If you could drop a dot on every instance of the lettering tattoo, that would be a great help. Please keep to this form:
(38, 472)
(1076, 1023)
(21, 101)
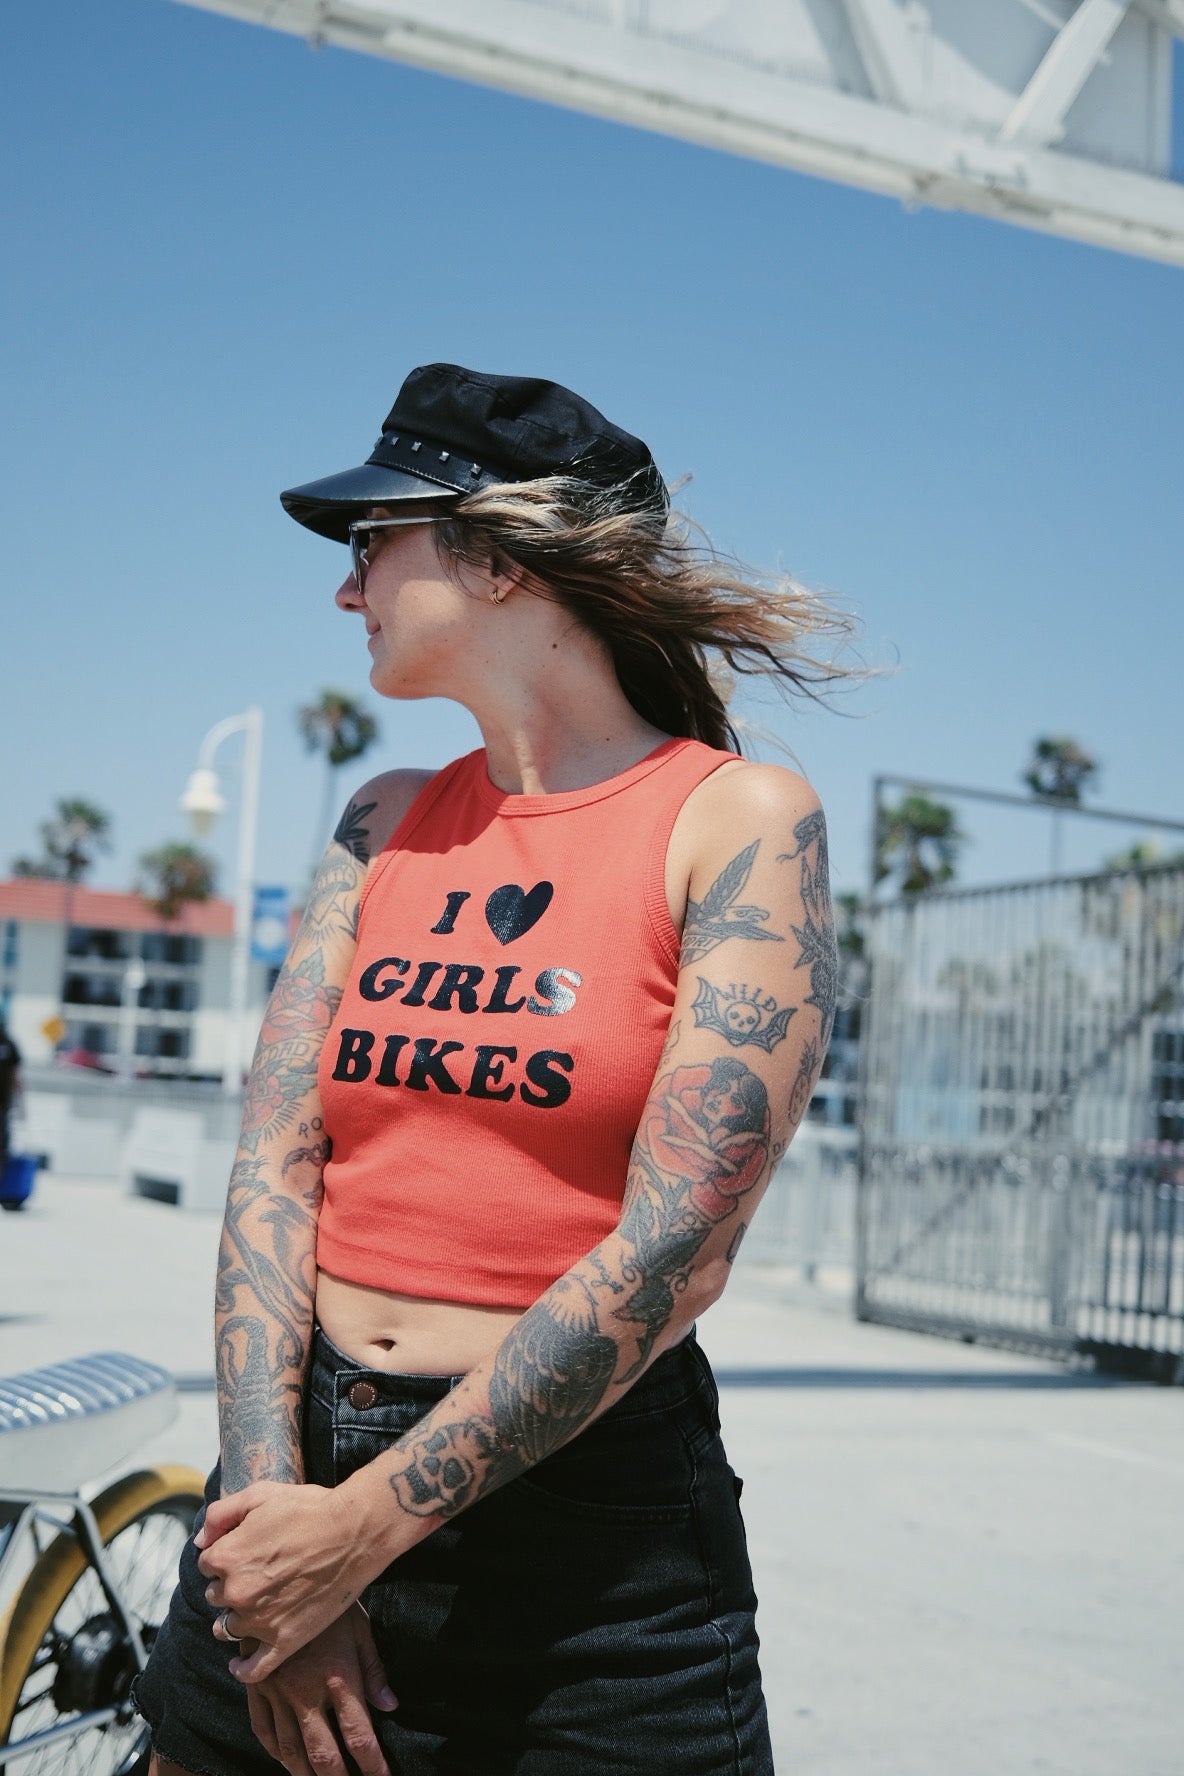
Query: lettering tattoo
(742, 1015)
(702, 1146)
(716, 918)
(816, 933)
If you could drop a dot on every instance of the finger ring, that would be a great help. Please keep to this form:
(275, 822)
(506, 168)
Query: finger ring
(223, 1629)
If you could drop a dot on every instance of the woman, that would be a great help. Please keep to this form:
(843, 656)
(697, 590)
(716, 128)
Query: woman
(552, 1015)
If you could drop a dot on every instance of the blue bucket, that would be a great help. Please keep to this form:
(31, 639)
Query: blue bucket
(17, 1179)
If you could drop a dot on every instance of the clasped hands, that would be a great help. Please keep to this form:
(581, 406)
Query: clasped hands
(283, 1563)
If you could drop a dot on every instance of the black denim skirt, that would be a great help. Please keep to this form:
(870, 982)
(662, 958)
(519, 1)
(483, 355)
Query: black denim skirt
(595, 1617)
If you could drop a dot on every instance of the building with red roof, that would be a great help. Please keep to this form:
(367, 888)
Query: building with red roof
(67, 954)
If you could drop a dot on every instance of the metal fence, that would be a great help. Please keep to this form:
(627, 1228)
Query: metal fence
(1021, 1155)
(807, 1219)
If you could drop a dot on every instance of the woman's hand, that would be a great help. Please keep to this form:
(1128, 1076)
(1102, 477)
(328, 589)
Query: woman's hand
(284, 1562)
(315, 1703)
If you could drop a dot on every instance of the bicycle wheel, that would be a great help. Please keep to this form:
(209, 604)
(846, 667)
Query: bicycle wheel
(62, 1649)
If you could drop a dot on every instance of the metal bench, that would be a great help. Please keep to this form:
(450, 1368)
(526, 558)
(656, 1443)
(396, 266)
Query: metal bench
(62, 1425)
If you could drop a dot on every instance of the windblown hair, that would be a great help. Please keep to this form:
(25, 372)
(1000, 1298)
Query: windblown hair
(679, 620)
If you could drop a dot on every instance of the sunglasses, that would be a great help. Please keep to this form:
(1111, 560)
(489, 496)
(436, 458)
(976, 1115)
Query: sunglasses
(359, 540)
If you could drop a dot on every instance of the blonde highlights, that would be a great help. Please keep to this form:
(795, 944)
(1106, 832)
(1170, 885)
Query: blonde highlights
(679, 620)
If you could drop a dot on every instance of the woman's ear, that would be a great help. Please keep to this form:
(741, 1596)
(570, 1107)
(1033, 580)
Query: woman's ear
(505, 574)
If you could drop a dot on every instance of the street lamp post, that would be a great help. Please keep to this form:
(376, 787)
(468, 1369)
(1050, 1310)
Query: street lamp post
(135, 979)
(203, 803)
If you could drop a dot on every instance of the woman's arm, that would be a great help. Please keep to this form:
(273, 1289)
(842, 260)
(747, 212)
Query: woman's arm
(267, 1259)
(752, 1016)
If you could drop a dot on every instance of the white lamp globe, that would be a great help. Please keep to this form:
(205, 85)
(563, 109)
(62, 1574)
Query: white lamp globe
(201, 800)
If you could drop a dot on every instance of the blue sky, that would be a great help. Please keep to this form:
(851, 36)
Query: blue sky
(222, 253)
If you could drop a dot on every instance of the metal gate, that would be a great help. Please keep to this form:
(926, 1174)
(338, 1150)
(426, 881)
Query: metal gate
(1021, 1158)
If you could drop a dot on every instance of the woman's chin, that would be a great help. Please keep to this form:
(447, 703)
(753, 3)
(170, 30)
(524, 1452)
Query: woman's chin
(389, 684)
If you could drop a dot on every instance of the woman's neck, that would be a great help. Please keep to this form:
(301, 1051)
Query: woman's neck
(546, 696)
(539, 749)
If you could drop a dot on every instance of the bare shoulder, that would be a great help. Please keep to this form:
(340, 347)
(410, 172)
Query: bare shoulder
(375, 809)
(743, 802)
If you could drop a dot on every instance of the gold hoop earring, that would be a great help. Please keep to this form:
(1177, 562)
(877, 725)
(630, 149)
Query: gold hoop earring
(496, 597)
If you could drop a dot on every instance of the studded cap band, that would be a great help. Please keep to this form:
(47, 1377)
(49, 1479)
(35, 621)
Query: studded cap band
(448, 468)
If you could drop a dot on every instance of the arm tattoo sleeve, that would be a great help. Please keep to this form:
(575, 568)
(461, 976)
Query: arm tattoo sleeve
(263, 1308)
(703, 1145)
(263, 1317)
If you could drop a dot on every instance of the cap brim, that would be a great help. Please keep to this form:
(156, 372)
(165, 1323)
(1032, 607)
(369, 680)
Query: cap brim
(331, 505)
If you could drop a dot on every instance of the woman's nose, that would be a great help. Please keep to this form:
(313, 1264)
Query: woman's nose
(347, 597)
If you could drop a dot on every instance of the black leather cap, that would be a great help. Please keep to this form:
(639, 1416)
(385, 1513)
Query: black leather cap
(452, 431)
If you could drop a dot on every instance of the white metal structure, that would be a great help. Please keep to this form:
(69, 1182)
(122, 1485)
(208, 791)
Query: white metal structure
(1049, 113)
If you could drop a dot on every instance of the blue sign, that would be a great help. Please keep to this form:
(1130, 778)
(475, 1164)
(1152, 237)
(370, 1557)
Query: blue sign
(269, 926)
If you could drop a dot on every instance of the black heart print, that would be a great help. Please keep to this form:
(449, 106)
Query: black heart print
(510, 910)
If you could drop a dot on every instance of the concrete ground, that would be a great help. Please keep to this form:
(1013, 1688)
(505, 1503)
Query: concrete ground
(970, 1563)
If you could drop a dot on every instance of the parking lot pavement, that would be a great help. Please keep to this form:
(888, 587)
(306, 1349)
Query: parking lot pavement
(969, 1562)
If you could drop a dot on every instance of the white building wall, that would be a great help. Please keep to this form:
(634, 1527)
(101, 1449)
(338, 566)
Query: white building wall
(36, 984)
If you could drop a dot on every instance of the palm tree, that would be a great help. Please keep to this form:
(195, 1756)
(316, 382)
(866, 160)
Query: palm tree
(917, 842)
(70, 842)
(1059, 769)
(175, 874)
(338, 726)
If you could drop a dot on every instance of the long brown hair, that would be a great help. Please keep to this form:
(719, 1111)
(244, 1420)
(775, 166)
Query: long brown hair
(670, 609)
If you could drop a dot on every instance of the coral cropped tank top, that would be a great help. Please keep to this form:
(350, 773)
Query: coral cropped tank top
(500, 1030)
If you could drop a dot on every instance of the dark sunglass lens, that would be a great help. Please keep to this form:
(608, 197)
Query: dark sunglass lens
(358, 541)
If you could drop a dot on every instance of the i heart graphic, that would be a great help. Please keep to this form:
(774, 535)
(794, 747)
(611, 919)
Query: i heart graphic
(510, 910)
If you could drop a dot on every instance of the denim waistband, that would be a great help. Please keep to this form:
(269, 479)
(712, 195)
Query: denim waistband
(670, 1380)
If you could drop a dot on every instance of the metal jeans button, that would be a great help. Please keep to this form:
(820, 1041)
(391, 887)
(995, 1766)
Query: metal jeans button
(363, 1395)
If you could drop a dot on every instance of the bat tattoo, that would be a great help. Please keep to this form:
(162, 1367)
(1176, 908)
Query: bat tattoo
(742, 1015)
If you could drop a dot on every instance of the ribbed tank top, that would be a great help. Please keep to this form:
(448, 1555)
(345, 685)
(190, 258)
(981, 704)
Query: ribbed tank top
(500, 1029)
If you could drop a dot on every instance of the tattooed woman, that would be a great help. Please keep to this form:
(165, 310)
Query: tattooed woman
(550, 1019)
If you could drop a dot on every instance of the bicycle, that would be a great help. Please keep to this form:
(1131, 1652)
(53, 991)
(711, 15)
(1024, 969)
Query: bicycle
(82, 1621)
